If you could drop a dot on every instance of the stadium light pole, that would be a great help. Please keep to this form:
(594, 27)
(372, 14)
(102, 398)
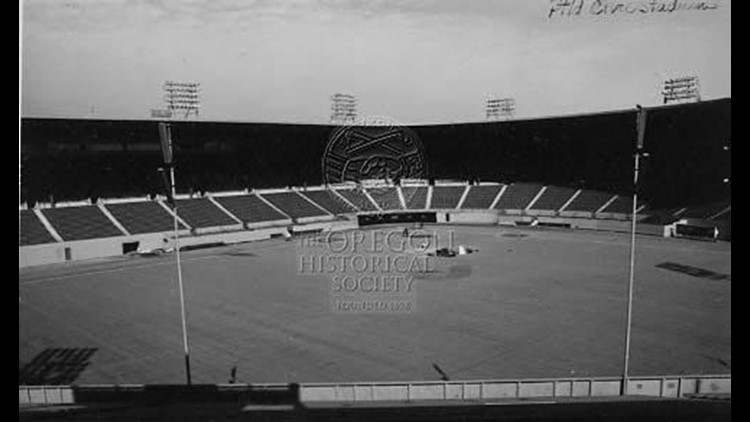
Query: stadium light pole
(166, 144)
(641, 129)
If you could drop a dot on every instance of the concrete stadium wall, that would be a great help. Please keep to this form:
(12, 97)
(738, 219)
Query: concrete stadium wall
(266, 224)
(658, 386)
(666, 386)
(577, 214)
(218, 229)
(619, 226)
(95, 248)
(328, 225)
(510, 220)
(34, 255)
(315, 219)
(474, 217)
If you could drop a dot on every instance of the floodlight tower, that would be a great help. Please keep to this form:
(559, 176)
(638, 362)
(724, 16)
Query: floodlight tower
(182, 97)
(686, 88)
(179, 97)
(498, 108)
(343, 108)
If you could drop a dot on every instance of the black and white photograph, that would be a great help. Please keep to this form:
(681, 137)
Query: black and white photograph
(374, 210)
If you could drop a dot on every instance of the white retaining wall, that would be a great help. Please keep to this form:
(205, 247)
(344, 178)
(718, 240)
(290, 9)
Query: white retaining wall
(33, 255)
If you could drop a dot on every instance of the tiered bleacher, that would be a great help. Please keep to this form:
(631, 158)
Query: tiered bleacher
(249, 208)
(621, 205)
(589, 201)
(517, 196)
(80, 222)
(32, 230)
(201, 212)
(446, 197)
(293, 205)
(386, 197)
(663, 217)
(705, 212)
(142, 217)
(480, 196)
(358, 199)
(725, 216)
(328, 200)
(553, 198)
(415, 197)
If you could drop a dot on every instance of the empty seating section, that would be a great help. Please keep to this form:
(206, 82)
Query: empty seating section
(32, 230)
(386, 197)
(553, 198)
(142, 217)
(293, 205)
(589, 201)
(704, 212)
(661, 218)
(328, 200)
(517, 196)
(82, 222)
(358, 199)
(415, 197)
(621, 205)
(480, 197)
(249, 208)
(201, 212)
(445, 197)
(725, 216)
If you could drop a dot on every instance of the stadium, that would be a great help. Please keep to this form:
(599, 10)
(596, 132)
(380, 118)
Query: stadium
(541, 299)
(416, 210)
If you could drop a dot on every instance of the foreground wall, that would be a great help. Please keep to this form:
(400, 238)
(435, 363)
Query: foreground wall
(677, 386)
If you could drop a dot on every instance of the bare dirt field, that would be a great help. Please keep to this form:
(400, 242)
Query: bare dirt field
(530, 303)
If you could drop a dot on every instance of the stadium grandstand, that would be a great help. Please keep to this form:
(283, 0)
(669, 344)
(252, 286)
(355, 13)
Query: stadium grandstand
(547, 213)
(351, 210)
(681, 170)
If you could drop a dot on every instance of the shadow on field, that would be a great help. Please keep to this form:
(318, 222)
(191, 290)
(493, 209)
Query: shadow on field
(55, 366)
(693, 271)
(239, 254)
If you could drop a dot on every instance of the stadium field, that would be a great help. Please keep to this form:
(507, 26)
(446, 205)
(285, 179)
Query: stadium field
(530, 303)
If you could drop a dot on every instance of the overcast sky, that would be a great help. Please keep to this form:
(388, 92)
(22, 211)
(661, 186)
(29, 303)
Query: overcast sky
(415, 61)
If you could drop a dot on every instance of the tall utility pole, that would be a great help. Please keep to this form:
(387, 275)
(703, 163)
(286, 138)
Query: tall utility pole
(641, 133)
(165, 137)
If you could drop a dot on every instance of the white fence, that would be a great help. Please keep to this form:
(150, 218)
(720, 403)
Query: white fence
(661, 386)
(667, 386)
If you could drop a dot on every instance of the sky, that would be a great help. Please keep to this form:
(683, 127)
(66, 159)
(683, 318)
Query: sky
(411, 61)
